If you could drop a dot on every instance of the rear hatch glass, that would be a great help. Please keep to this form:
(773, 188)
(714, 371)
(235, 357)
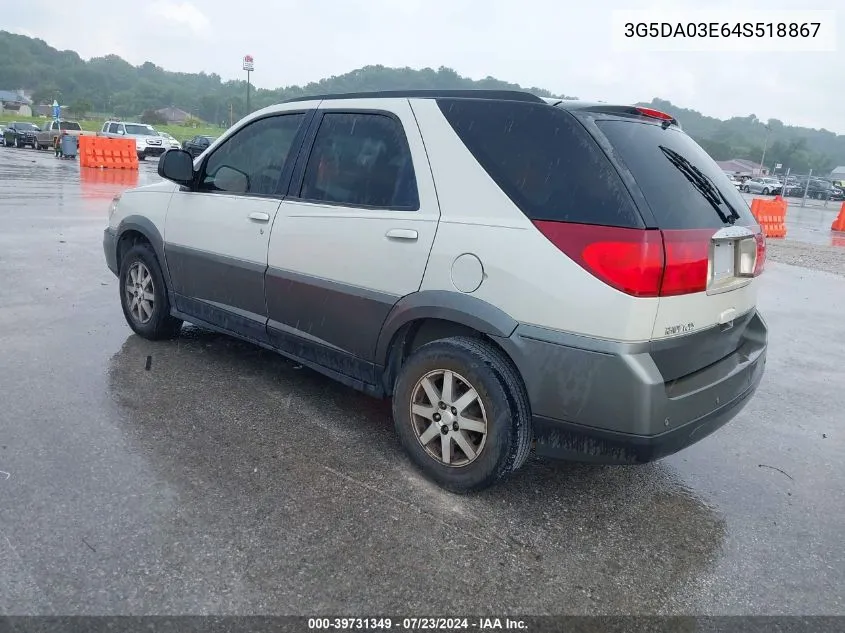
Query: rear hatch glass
(651, 152)
(672, 172)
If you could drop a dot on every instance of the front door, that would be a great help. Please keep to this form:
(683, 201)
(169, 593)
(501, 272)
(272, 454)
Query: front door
(216, 236)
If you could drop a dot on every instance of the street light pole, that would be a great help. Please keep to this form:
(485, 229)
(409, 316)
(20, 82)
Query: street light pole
(765, 146)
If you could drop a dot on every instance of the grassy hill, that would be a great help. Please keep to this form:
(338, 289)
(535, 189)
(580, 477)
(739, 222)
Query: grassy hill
(114, 86)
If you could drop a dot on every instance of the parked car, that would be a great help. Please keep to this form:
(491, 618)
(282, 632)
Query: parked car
(148, 142)
(198, 145)
(171, 141)
(736, 182)
(765, 186)
(2, 130)
(474, 255)
(817, 189)
(51, 130)
(19, 134)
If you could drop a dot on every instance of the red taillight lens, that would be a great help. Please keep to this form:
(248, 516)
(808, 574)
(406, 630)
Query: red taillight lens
(639, 262)
(687, 259)
(760, 262)
(655, 114)
(630, 260)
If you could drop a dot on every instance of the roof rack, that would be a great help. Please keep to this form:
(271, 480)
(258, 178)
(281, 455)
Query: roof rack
(498, 95)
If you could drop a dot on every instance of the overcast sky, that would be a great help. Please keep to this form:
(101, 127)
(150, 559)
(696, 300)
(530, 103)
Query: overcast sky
(559, 45)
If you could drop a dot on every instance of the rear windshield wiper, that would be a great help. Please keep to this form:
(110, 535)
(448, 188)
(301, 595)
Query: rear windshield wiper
(703, 184)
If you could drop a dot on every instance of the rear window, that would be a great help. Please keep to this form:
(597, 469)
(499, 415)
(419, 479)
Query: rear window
(69, 125)
(645, 149)
(544, 160)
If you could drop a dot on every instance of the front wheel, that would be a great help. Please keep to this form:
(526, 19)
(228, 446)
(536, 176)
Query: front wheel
(765, 191)
(141, 156)
(746, 189)
(462, 414)
(143, 295)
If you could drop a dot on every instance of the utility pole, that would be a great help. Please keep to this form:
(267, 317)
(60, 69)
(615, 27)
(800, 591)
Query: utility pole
(249, 66)
(765, 146)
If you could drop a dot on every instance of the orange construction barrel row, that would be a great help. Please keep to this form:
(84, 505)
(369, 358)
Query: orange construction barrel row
(108, 153)
(770, 215)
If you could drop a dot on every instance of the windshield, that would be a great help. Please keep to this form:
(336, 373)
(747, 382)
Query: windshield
(140, 130)
(682, 185)
(26, 126)
(69, 125)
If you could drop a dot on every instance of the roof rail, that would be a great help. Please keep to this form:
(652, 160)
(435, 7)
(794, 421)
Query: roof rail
(498, 95)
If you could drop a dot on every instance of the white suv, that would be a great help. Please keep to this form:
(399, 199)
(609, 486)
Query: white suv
(512, 271)
(148, 142)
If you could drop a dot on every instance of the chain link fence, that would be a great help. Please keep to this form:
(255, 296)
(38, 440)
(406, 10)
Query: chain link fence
(803, 190)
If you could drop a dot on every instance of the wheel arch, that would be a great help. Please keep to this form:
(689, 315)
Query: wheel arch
(135, 227)
(431, 315)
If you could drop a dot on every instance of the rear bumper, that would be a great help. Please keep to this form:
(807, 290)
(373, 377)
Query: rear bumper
(609, 402)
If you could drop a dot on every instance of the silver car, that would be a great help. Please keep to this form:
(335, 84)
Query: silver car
(765, 186)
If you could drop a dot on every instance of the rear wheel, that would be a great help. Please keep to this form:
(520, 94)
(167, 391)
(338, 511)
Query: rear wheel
(746, 189)
(765, 191)
(462, 414)
(143, 295)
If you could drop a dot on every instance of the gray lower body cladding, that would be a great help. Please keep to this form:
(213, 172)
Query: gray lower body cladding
(591, 399)
(627, 403)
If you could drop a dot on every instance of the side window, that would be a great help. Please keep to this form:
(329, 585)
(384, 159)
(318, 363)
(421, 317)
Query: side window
(113, 128)
(361, 160)
(251, 161)
(543, 160)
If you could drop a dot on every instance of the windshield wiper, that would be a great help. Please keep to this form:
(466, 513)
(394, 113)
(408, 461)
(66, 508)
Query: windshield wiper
(703, 184)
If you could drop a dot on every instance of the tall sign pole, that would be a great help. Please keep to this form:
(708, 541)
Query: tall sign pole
(249, 66)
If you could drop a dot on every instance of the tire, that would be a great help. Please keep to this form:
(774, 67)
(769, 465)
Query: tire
(505, 445)
(142, 156)
(17, 142)
(747, 189)
(765, 191)
(150, 322)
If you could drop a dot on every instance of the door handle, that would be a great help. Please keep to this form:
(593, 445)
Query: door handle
(259, 217)
(402, 234)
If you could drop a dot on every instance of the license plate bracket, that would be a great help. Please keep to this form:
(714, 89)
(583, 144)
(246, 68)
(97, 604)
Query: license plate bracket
(724, 260)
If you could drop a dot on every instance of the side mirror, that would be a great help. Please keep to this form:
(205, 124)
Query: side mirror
(231, 180)
(177, 166)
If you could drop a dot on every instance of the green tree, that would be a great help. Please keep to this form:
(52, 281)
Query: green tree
(80, 108)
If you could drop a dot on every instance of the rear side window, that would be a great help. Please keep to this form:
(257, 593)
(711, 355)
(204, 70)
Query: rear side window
(652, 155)
(361, 159)
(544, 160)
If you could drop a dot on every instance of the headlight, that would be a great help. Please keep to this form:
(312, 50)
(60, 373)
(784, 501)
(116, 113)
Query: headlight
(113, 206)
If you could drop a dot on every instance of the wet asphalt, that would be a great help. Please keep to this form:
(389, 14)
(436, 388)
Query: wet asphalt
(227, 480)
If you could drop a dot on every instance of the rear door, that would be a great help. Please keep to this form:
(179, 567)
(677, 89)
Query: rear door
(354, 234)
(710, 228)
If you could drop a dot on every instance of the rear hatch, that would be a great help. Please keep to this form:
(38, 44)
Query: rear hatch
(713, 246)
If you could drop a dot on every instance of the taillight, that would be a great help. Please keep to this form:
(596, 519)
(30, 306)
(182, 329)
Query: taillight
(639, 262)
(760, 261)
(655, 114)
(687, 260)
(630, 260)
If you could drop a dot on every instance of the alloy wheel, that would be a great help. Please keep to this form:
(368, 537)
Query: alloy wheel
(448, 417)
(140, 292)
